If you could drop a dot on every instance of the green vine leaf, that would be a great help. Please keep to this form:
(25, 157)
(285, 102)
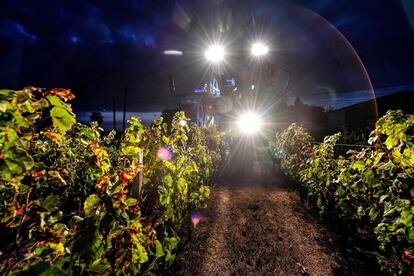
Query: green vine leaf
(159, 252)
(391, 141)
(62, 119)
(91, 203)
(358, 165)
(50, 202)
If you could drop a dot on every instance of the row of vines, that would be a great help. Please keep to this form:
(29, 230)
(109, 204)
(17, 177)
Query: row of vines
(369, 191)
(69, 202)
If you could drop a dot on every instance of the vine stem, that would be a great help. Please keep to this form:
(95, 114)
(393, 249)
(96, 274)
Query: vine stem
(26, 210)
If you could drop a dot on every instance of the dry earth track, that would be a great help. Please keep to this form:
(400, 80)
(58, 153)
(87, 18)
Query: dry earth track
(256, 225)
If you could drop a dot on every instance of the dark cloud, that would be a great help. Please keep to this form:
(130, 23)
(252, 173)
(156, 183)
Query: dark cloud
(12, 29)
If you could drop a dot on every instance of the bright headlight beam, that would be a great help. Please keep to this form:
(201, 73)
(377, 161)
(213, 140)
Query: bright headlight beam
(259, 49)
(215, 53)
(249, 123)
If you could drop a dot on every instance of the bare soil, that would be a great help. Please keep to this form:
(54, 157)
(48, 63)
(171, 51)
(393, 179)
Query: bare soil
(255, 225)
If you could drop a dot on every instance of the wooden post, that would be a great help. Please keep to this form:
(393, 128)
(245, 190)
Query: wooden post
(141, 173)
(172, 84)
(114, 113)
(123, 119)
(136, 188)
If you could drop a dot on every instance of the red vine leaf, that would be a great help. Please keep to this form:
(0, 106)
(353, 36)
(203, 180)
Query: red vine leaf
(63, 93)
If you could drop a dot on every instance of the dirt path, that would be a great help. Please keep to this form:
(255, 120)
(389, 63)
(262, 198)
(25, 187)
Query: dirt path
(254, 226)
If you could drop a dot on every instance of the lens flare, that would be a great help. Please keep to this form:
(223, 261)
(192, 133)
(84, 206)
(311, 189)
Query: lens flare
(172, 53)
(165, 153)
(249, 123)
(259, 49)
(215, 53)
(355, 85)
(183, 123)
(196, 218)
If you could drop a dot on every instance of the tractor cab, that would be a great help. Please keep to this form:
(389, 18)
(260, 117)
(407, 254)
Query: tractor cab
(220, 97)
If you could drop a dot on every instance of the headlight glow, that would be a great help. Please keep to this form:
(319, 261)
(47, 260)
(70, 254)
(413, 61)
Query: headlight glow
(249, 123)
(215, 53)
(259, 49)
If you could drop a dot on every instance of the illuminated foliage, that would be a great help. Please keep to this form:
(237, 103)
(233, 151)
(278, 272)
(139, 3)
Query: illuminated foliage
(370, 190)
(69, 198)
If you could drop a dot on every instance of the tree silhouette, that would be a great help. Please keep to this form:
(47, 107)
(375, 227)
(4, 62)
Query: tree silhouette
(96, 117)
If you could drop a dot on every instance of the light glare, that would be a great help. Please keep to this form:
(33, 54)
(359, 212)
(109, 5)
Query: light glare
(172, 53)
(165, 153)
(215, 53)
(183, 123)
(259, 49)
(249, 123)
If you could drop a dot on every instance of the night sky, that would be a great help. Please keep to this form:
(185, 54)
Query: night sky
(99, 48)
